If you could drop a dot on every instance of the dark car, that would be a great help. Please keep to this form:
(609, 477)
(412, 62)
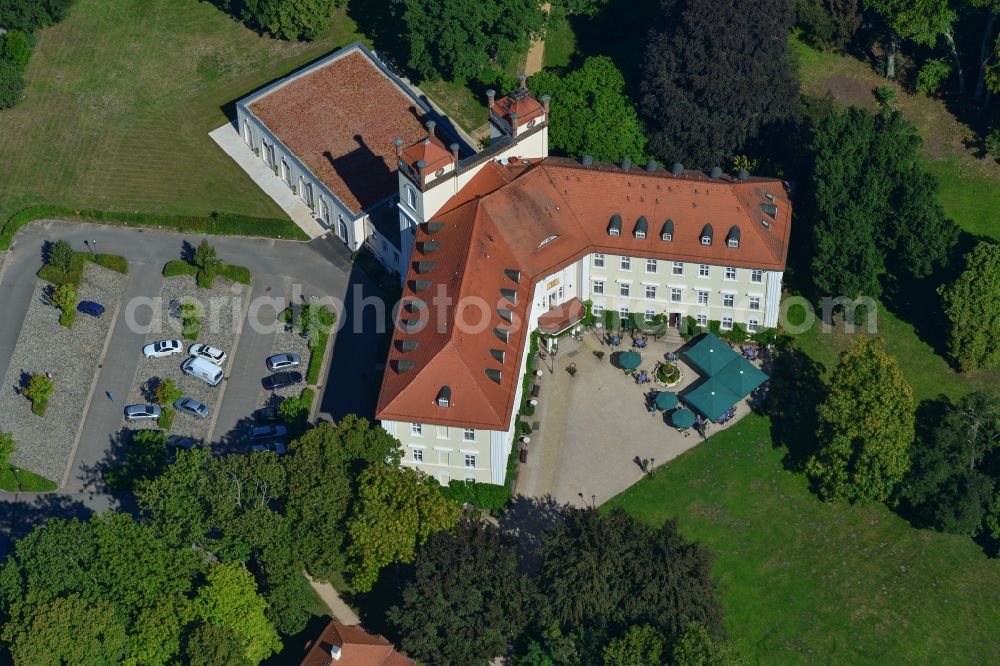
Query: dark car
(267, 415)
(91, 308)
(281, 379)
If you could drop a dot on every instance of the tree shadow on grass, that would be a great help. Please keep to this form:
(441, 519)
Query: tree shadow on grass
(795, 391)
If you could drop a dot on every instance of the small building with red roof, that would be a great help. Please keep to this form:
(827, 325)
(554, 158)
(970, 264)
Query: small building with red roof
(350, 645)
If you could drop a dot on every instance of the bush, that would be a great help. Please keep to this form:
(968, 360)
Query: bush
(932, 74)
(112, 262)
(167, 392)
(204, 280)
(191, 319)
(218, 224)
(64, 297)
(60, 255)
(689, 327)
(16, 47)
(668, 373)
(29, 15)
(166, 420)
(12, 84)
(482, 495)
(178, 267)
(239, 274)
(38, 391)
(294, 409)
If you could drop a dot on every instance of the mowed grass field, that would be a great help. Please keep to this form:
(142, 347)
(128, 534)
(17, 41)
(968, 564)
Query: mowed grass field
(808, 582)
(120, 101)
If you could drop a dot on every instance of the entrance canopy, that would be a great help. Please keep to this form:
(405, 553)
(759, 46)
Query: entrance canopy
(561, 317)
(710, 354)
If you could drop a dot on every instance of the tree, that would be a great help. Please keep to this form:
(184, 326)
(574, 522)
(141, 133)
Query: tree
(209, 645)
(167, 392)
(60, 255)
(146, 457)
(284, 19)
(604, 571)
(12, 84)
(696, 647)
(714, 75)
(921, 21)
(207, 262)
(230, 600)
(830, 22)
(590, 112)
(29, 15)
(466, 600)
(64, 297)
(38, 391)
(972, 305)
(947, 487)
(873, 204)
(395, 511)
(581, 7)
(640, 646)
(866, 426)
(461, 39)
(68, 630)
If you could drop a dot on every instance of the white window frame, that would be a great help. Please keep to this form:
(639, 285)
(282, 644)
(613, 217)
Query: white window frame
(701, 320)
(676, 295)
(624, 289)
(640, 234)
(757, 276)
(625, 263)
(704, 271)
(468, 434)
(706, 240)
(417, 455)
(411, 196)
(666, 236)
(597, 287)
(727, 323)
(752, 325)
(416, 430)
(733, 242)
(730, 274)
(702, 297)
(753, 303)
(651, 266)
(614, 231)
(677, 268)
(597, 309)
(729, 300)
(470, 458)
(623, 312)
(650, 291)
(598, 260)
(649, 314)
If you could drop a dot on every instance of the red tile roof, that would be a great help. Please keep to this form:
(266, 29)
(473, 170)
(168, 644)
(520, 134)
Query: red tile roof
(521, 102)
(340, 120)
(357, 648)
(534, 222)
(431, 150)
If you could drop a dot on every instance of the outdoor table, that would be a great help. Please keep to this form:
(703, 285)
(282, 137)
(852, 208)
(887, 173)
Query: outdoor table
(615, 340)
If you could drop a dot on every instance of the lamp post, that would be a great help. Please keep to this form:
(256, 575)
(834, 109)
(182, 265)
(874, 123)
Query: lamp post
(92, 246)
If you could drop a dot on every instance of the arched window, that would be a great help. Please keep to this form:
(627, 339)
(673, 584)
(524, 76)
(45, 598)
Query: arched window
(411, 197)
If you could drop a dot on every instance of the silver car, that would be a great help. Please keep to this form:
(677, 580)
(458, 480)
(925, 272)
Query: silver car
(283, 362)
(135, 413)
(191, 407)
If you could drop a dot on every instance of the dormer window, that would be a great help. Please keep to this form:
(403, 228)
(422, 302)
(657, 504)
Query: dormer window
(733, 237)
(769, 196)
(706, 235)
(641, 227)
(444, 397)
(770, 209)
(667, 232)
(615, 225)
(548, 240)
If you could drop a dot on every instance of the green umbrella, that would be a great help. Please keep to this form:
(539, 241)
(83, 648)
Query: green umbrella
(740, 377)
(682, 418)
(710, 354)
(711, 399)
(666, 400)
(629, 360)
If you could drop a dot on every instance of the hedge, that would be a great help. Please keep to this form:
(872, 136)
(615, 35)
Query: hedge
(178, 267)
(166, 420)
(483, 495)
(239, 274)
(217, 224)
(112, 262)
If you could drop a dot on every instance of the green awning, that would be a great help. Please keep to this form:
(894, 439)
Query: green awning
(740, 377)
(629, 360)
(711, 399)
(666, 400)
(682, 418)
(710, 354)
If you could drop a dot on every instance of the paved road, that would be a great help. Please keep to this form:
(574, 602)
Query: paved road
(321, 267)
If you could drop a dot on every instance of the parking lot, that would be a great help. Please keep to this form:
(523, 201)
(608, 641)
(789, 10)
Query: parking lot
(283, 272)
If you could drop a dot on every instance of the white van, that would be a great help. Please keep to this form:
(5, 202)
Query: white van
(204, 370)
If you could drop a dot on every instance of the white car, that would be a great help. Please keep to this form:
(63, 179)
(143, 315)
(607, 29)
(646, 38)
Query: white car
(163, 348)
(212, 354)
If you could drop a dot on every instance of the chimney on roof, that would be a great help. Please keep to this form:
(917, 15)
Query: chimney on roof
(716, 172)
(420, 170)
(454, 151)
(399, 145)
(545, 103)
(587, 160)
(651, 165)
(335, 652)
(677, 169)
(430, 125)
(490, 96)
(626, 164)
(744, 176)
(523, 78)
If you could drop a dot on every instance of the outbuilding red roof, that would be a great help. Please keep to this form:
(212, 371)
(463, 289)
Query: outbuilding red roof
(340, 120)
(512, 226)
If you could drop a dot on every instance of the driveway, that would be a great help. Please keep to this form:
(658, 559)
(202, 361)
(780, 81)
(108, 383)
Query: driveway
(320, 268)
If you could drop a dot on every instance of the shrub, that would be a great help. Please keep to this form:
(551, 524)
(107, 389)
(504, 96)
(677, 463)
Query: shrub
(64, 297)
(166, 420)
(599, 355)
(38, 391)
(12, 84)
(483, 495)
(112, 262)
(294, 409)
(993, 143)
(885, 95)
(206, 259)
(15, 47)
(239, 274)
(204, 280)
(31, 15)
(689, 327)
(178, 267)
(191, 319)
(167, 392)
(668, 373)
(932, 74)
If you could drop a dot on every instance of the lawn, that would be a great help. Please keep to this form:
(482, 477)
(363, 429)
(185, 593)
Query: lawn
(21, 480)
(120, 101)
(560, 40)
(457, 102)
(811, 582)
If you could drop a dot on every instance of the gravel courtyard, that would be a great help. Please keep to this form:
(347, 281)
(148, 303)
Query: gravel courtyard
(223, 307)
(44, 444)
(285, 343)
